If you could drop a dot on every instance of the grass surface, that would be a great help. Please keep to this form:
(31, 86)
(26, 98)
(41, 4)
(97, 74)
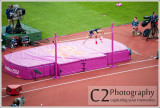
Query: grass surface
(72, 17)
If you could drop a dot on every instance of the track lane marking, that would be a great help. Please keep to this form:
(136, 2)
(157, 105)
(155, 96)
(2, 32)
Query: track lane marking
(87, 79)
(86, 71)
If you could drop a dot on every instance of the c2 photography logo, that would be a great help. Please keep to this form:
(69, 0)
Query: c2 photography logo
(122, 95)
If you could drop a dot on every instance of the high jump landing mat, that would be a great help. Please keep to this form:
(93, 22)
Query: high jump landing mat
(72, 57)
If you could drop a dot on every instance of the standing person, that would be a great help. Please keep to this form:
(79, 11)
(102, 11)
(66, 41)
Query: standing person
(9, 13)
(135, 24)
(95, 32)
(154, 25)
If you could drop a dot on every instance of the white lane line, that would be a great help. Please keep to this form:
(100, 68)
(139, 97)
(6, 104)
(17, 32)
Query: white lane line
(87, 79)
(136, 53)
(109, 67)
(136, 62)
(86, 72)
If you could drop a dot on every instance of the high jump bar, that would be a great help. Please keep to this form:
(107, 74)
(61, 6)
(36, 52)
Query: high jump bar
(55, 43)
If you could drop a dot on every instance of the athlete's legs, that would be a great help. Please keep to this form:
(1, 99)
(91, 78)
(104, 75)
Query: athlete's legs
(101, 32)
(88, 36)
(96, 35)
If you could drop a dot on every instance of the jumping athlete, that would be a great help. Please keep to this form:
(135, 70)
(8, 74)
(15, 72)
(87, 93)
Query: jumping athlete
(95, 32)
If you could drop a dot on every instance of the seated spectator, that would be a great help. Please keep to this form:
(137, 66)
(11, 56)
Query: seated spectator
(135, 24)
(14, 103)
(18, 102)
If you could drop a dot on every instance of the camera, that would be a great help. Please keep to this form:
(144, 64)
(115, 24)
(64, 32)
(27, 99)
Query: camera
(17, 15)
(20, 101)
(146, 21)
(153, 22)
(149, 33)
(18, 12)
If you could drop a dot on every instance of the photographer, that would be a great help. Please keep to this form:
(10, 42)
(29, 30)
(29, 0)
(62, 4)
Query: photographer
(9, 13)
(14, 103)
(18, 102)
(154, 25)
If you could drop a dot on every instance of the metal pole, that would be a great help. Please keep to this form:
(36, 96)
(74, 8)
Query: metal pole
(112, 66)
(55, 55)
(55, 62)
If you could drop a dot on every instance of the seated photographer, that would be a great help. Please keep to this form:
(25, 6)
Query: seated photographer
(154, 25)
(135, 24)
(18, 102)
(14, 103)
(9, 12)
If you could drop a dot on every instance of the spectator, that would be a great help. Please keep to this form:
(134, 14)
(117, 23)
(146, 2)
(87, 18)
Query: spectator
(14, 103)
(18, 102)
(135, 24)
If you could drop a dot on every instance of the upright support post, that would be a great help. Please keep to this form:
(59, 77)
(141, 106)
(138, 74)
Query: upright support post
(112, 66)
(55, 43)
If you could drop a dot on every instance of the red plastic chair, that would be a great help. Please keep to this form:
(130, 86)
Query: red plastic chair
(13, 89)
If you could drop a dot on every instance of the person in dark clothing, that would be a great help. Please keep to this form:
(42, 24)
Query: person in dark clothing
(18, 102)
(9, 13)
(153, 18)
(154, 25)
(14, 103)
(95, 32)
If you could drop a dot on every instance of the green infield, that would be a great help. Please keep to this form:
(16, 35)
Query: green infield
(72, 17)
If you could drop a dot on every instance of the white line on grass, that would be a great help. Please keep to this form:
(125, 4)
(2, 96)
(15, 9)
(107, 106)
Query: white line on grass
(86, 71)
(87, 79)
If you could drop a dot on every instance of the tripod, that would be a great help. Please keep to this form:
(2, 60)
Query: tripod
(18, 28)
(153, 31)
